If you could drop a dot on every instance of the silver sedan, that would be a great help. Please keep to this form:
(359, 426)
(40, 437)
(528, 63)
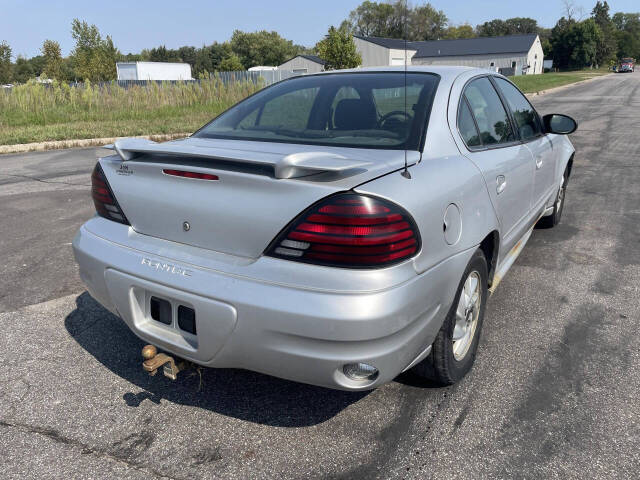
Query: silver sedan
(335, 229)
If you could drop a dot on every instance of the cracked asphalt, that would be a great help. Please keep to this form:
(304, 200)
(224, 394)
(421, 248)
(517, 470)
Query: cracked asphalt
(554, 393)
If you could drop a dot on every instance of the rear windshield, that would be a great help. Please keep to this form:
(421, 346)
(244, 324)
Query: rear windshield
(363, 110)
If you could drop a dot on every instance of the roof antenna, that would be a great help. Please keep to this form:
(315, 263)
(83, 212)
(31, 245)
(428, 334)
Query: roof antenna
(405, 173)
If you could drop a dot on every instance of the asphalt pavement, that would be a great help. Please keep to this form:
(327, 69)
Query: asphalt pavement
(554, 392)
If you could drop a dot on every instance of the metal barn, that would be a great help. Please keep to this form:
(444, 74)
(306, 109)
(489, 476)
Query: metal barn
(510, 55)
(302, 64)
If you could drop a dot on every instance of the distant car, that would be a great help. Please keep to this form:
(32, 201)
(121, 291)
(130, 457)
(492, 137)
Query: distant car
(287, 236)
(8, 85)
(627, 64)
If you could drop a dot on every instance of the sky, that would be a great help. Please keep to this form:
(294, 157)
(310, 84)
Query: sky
(138, 24)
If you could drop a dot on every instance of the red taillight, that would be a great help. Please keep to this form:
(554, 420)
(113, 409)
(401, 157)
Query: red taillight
(106, 204)
(183, 173)
(349, 230)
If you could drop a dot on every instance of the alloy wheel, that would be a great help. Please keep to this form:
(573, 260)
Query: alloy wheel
(467, 314)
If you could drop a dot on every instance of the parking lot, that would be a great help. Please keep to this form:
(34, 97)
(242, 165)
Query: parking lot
(554, 392)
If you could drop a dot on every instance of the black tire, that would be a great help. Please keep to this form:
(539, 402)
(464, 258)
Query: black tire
(441, 365)
(552, 220)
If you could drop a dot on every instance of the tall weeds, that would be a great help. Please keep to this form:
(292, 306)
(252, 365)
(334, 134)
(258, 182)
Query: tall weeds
(39, 109)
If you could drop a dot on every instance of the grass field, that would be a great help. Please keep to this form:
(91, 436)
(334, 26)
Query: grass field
(34, 113)
(538, 83)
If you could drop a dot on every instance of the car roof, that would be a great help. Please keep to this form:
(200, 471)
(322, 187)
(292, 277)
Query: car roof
(447, 73)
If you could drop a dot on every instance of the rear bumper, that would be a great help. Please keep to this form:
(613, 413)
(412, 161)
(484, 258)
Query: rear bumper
(298, 333)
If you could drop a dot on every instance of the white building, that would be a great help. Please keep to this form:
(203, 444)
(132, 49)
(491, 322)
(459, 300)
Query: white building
(510, 55)
(262, 68)
(153, 71)
(303, 64)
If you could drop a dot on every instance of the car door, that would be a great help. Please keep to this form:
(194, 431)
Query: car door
(506, 164)
(529, 128)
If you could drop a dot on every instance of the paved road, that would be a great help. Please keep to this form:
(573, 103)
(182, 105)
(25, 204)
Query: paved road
(554, 392)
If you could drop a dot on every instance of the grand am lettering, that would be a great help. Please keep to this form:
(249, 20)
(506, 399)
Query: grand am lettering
(166, 267)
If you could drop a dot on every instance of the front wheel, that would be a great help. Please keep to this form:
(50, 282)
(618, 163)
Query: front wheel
(552, 220)
(454, 349)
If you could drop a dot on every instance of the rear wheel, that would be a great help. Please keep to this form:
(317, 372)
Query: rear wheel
(454, 349)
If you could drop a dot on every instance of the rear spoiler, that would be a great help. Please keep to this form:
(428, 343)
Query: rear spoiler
(289, 166)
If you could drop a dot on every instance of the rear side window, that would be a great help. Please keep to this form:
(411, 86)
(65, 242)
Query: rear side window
(523, 113)
(467, 126)
(491, 117)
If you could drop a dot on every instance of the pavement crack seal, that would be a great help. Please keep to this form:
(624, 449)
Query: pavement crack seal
(36, 179)
(85, 449)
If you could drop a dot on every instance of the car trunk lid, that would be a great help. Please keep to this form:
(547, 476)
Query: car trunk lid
(260, 187)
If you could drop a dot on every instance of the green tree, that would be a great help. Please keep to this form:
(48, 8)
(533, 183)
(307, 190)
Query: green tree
(584, 38)
(396, 19)
(68, 72)
(427, 23)
(6, 68)
(261, 48)
(371, 19)
(231, 63)
(628, 44)
(23, 70)
(629, 22)
(208, 58)
(627, 33)
(164, 54)
(575, 44)
(607, 46)
(94, 58)
(560, 49)
(53, 60)
(338, 50)
(510, 26)
(521, 25)
(492, 28)
(187, 55)
(461, 31)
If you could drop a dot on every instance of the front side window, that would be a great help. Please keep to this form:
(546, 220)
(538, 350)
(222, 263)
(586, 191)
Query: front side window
(524, 115)
(487, 109)
(363, 110)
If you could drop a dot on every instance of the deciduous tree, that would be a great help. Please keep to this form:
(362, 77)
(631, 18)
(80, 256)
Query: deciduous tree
(427, 23)
(52, 60)
(627, 34)
(6, 68)
(461, 31)
(607, 46)
(396, 19)
(261, 48)
(510, 26)
(231, 63)
(338, 50)
(574, 44)
(94, 58)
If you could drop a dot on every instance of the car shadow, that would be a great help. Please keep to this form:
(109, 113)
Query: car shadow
(235, 393)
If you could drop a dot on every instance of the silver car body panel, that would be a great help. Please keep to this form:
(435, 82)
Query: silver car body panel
(294, 320)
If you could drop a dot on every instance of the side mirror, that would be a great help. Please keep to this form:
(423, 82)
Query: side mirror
(559, 124)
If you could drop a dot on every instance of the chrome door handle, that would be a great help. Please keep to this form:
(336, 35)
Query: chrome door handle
(538, 163)
(501, 184)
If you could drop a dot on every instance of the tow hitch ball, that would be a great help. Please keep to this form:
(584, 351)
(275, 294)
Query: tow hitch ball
(154, 360)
